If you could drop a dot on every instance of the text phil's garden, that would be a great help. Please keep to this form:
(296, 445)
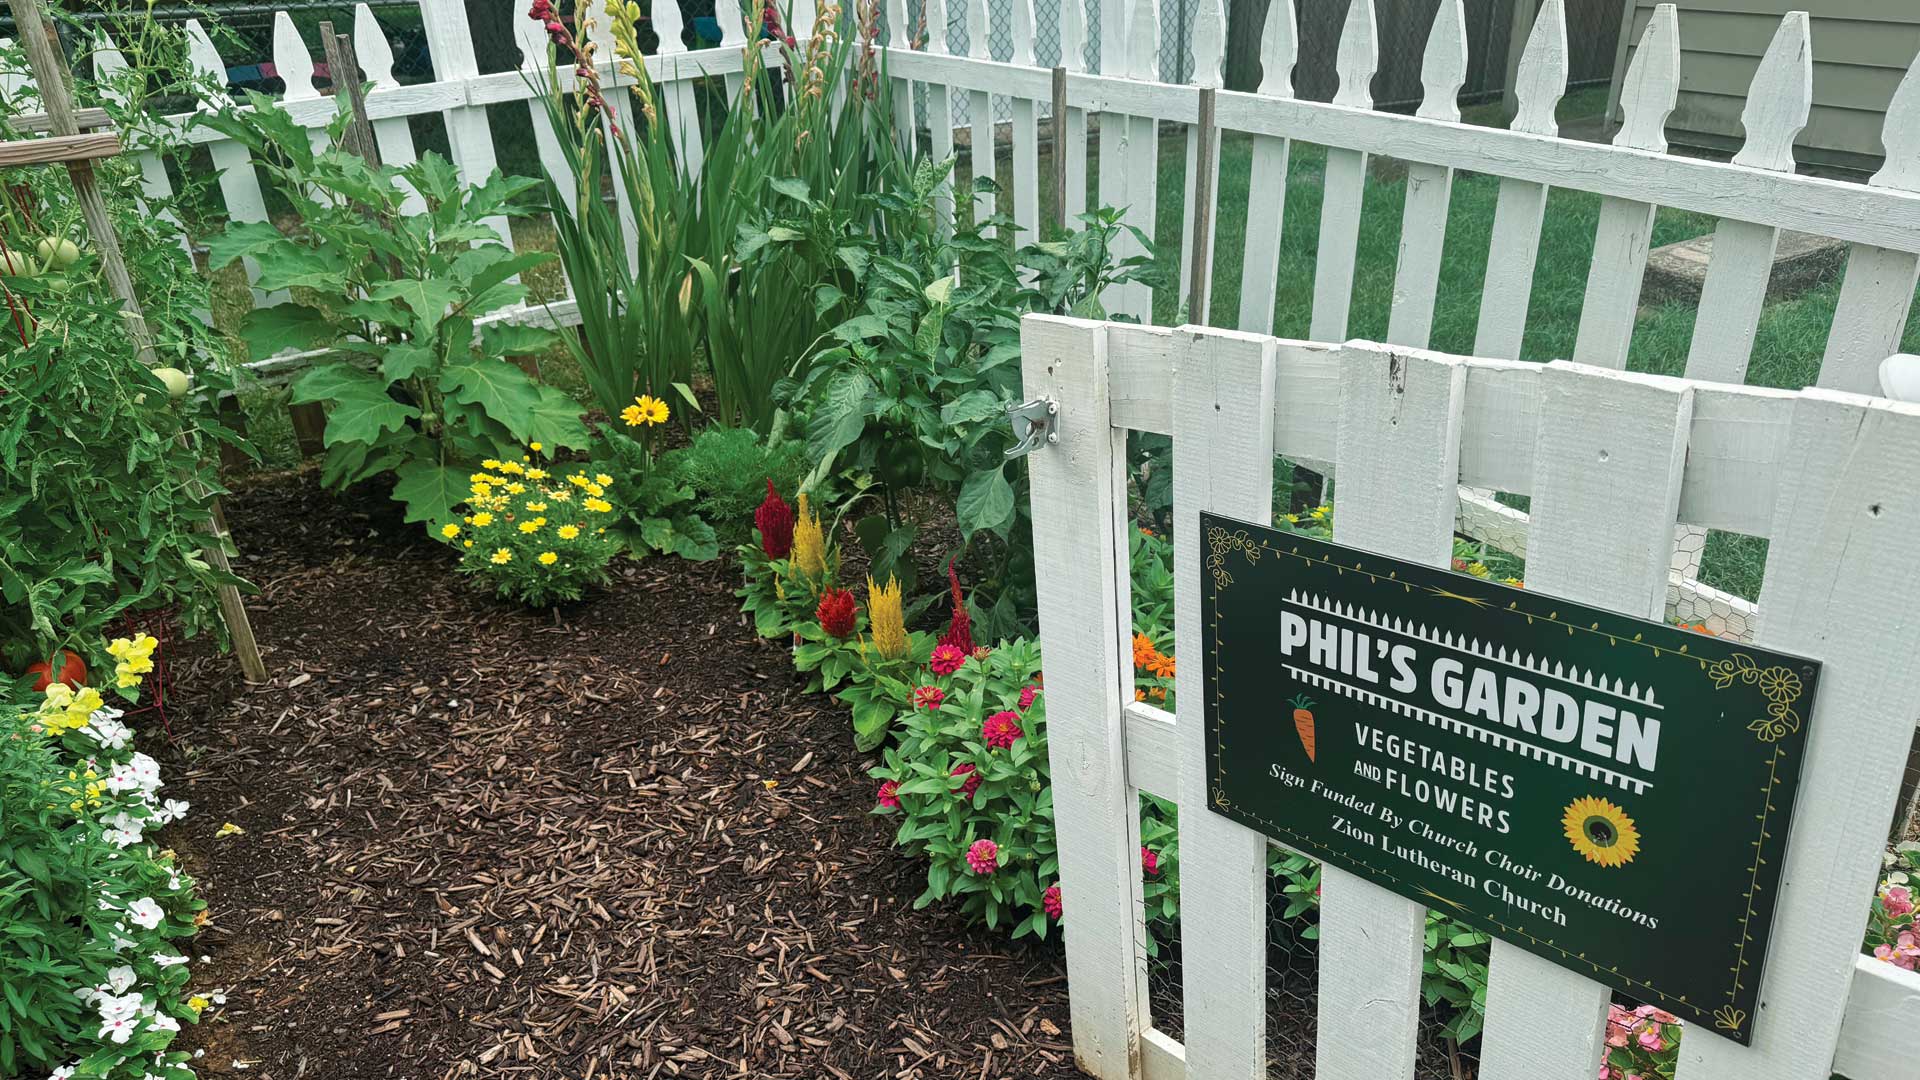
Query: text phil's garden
(963, 539)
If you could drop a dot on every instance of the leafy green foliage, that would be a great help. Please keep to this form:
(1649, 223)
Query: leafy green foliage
(1012, 805)
(535, 537)
(727, 470)
(412, 389)
(93, 975)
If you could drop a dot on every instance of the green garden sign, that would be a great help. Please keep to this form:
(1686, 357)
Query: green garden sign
(1608, 792)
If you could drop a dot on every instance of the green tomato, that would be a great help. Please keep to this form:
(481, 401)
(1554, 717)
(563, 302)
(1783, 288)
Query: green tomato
(57, 252)
(176, 380)
(18, 264)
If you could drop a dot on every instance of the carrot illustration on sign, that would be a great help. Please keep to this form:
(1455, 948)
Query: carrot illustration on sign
(1303, 722)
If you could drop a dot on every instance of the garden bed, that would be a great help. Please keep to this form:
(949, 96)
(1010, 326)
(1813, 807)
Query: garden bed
(480, 841)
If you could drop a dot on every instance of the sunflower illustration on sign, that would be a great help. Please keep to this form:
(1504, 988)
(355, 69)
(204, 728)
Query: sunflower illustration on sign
(1601, 831)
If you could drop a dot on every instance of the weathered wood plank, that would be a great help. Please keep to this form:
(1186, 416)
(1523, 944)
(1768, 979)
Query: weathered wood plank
(1399, 467)
(1223, 427)
(1079, 506)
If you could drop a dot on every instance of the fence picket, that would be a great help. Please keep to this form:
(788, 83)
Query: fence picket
(1073, 57)
(899, 36)
(1877, 292)
(1259, 269)
(1539, 86)
(294, 64)
(239, 184)
(390, 133)
(940, 110)
(980, 150)
(469, 138)
(1026, 131)
(1609, 459)
(678, 97)
(1223, 421)
(553, 161)
(1399, 464)
(1846, 499)
(155, 186)
(1735, 291)
(1138, 161)
(1079, 506)
(1648, 96)
(1209, 58)
(1346, 181)
(1423, 223)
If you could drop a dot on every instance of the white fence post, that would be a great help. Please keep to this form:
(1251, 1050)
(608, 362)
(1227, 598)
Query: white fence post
(469, 137)
(1399, 462)
(1608, 464)
(1515, 247)
(1346, 181)
(1259, 271)
(1223, 427)
(1423, 222)
(1079, 502)
(390, 133)
(1838, 589)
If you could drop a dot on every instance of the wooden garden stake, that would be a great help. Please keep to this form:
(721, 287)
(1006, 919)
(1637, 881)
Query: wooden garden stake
(1206, 135)
(345, 69)
(1060, 147)
(56, 94)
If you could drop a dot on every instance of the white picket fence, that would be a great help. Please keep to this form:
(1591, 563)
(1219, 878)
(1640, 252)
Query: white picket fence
(1612, 460)
(1755, 196)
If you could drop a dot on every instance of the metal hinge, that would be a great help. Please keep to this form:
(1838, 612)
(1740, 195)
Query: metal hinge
(1032, 425)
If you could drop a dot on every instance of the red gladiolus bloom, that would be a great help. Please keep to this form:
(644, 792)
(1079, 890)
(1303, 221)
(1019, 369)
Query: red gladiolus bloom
(836, 612)
(774, 519)
(960, 627)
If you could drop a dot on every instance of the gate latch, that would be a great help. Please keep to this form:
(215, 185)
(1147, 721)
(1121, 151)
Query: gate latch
(1032, 426)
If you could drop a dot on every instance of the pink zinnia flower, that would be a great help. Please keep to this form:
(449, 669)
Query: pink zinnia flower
(1027, 694)
(1000, 730)
(1050, 902)
(946, 660)
(983, 857)
(889, 796)
(972, 785)
(1148, 860)
(929, 697)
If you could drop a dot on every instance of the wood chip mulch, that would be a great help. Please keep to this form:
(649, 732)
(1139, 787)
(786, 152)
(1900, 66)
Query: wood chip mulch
(619, 842)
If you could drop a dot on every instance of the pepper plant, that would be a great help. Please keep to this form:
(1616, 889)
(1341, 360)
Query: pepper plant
(417, 383)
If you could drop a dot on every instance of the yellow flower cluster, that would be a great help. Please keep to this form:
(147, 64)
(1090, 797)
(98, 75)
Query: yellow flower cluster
(133, 658)
(521, 514)
(85, 786)
(66, 709)
(886, 619)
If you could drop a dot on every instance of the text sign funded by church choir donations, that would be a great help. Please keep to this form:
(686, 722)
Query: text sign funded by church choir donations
(1608, 792)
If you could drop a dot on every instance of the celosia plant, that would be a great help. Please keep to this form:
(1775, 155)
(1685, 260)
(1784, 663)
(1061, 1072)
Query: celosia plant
(535, 536)
(94, 912)
(885, 683)
(981, 815)
(765, 567)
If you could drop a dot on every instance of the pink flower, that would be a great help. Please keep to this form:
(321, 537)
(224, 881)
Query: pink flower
(1149, 861)
(1050, 902)
(946, 659)
(1027, 694)
(929, 698)
(1651, 1039)
(1000, 730)
(972, 785)
(1617, 1035)
(889, 795)
(1898, 900)
(983, 857)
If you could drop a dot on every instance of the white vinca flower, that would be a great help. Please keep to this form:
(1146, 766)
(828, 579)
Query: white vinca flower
(64, 1072)
(145, 913)
(170, 811)
(119, 1028)
(108, 732)
(114, 1006)
(120, 979)
(167, 960)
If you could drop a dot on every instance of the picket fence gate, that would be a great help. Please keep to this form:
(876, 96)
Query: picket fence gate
(1613, 461)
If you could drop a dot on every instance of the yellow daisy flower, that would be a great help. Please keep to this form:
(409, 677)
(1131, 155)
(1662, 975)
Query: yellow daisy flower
(568, 532)
(482, 519)
(536, 507)
(535, 447)
(530, 526)
(548, 558)
(502, 557)
(646, 409)
(602, 479)
(449, 530)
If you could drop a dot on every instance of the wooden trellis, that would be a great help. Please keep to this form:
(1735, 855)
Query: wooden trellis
(68, 145)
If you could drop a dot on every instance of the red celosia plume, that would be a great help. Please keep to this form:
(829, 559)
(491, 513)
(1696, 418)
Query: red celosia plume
(774, 519)
(959, 628)
(836, 612)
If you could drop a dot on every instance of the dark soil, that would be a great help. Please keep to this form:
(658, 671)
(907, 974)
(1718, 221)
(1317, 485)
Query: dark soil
(619, 841)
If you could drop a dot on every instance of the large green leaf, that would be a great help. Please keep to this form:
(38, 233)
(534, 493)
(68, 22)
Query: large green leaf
(428, 298)
(554, 420)
(242, 238)
(985, 502)
(272, 330)
(431, 490)
(405, 359)
(683, 535)
(296, 266)
(335, 380)
(841, 415)
(363, 417)
(497, 388)
(516, 339)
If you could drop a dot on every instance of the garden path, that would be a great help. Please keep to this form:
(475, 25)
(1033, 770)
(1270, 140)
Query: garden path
(483, 842)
